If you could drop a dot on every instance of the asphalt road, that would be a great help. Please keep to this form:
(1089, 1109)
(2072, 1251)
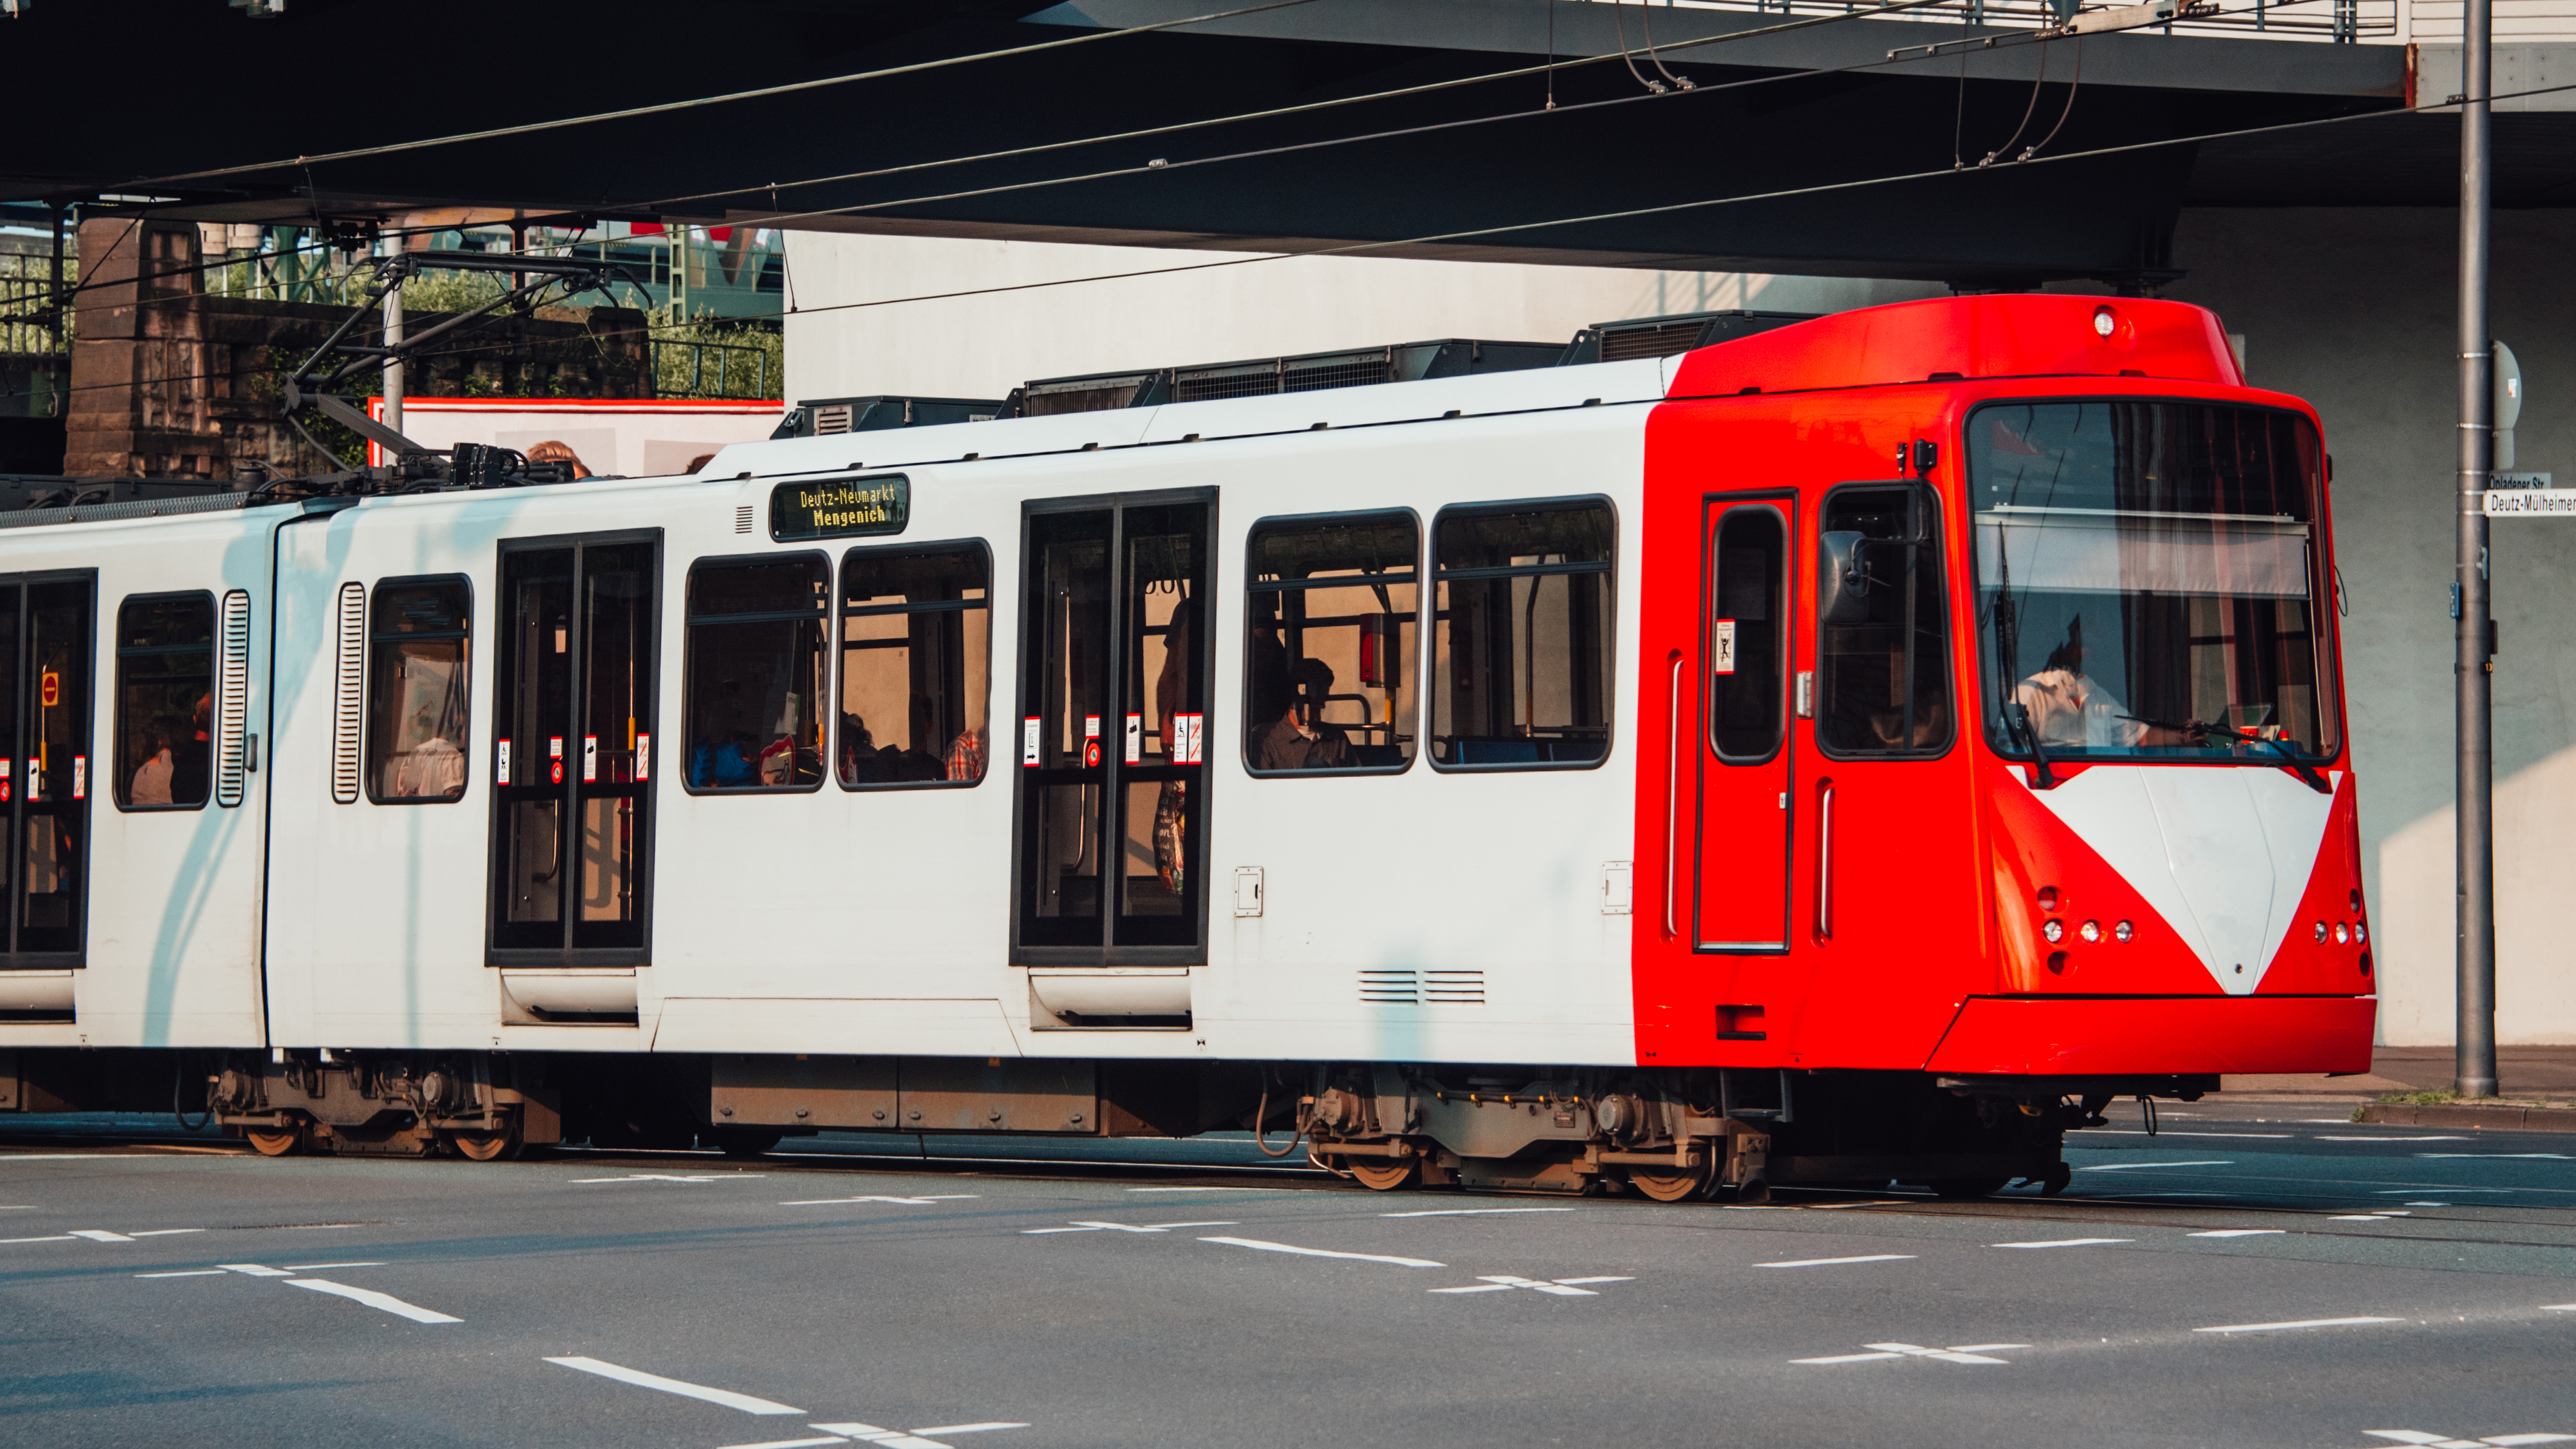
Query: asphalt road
(2254, 1275)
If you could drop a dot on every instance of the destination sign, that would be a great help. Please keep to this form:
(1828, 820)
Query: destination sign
(840, 507)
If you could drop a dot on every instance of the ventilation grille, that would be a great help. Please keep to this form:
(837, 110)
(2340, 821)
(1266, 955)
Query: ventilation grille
(1419, 988)
(1286, 374)
(742, 518)
(1454, 988)
(232, 709)
(832, 419)
(345, 692)
(1081, 394)
(1624, 343)
(1389, 988)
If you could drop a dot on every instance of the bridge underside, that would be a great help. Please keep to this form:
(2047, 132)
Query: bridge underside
(1805, 151)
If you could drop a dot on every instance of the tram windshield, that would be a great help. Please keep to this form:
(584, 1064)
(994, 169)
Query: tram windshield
(2149, 582)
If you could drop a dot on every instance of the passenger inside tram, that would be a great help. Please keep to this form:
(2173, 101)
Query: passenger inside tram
(152, 780)
(1298, 737)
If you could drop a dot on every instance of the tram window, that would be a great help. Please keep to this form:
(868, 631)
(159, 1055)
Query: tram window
(757, 673)
(1329, 663)
(915, 666)
(165, 700)
(1883, 681)
(1746, 634)
(1522, 634)
(417, 669)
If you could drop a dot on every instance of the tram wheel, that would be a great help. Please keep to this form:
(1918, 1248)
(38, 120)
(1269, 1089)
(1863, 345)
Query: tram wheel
(502, 1146)
(1668, 1186)
(1382, 1174)
(273, 1144)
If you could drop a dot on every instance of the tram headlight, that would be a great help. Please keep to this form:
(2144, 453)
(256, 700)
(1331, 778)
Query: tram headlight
(2341, 935)
(2105, 321)
(2321, 933)
(2048, 899)
(2055, 931)
(2360, 933)
(2091, 931)
(2124, 933)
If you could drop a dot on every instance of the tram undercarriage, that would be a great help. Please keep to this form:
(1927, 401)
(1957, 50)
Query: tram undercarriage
(1665, 1134)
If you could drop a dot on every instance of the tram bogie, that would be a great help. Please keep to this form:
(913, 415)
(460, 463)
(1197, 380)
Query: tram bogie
(1856, 752)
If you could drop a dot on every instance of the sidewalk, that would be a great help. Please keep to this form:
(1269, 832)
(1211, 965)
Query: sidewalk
(2548, 1071)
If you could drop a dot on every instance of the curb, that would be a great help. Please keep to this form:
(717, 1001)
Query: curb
(2527, 1119)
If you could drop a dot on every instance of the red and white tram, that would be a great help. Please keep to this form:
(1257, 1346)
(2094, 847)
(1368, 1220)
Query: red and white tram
(1853, 752)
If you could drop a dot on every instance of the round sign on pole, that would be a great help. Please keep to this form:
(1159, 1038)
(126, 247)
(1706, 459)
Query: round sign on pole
(2508, 404)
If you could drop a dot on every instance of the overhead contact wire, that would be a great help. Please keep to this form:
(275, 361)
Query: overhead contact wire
(696, 102)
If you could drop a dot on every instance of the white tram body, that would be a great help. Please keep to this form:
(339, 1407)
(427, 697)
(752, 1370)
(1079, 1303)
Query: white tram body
(480, 817)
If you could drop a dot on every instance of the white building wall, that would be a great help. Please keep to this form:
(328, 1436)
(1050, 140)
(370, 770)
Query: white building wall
(984, 345)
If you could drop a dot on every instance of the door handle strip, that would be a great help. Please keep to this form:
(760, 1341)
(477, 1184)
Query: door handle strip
(1672, 807)
(1825, 863)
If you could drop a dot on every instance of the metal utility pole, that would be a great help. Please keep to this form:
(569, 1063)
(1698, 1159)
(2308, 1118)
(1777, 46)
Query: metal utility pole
(2474, 667)
(393, 338)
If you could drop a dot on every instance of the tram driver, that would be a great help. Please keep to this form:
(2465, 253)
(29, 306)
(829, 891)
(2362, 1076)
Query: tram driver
(2070, 711)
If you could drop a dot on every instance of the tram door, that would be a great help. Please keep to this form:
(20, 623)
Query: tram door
(573, 750)
(1114, 703)
(45, 773)
(1747, 796)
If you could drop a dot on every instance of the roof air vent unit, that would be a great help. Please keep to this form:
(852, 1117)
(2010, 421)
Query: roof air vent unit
(1265, 376)
(1666, 336)
(830, 416)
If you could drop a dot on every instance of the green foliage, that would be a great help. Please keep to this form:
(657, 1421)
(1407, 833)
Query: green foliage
(2419, 1099)
(719, 357)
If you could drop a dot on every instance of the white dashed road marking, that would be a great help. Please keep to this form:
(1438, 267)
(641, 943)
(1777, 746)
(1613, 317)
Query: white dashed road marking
(255, 1270)
(2241, 1233)
(2294, 1323)
(1957, 1353)
(2550, 1156)
(1560, 1287)
(694, 1179)
(385, 1302)
(2321, 1137)
(908, 1201)
(1472, 1212)
(643, 1380)
(1081, 1225)
(2448, 1442)
(2063, 1243)
(1830, 1262)
(100, 1235)
(2135, 1166)
(190, 1273)
(1258, 1245)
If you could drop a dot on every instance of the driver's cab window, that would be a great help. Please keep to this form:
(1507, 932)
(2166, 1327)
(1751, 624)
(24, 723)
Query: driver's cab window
(1882, 666)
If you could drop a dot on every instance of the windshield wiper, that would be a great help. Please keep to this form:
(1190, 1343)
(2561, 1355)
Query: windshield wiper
(2029, 734)
(2288, 750)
